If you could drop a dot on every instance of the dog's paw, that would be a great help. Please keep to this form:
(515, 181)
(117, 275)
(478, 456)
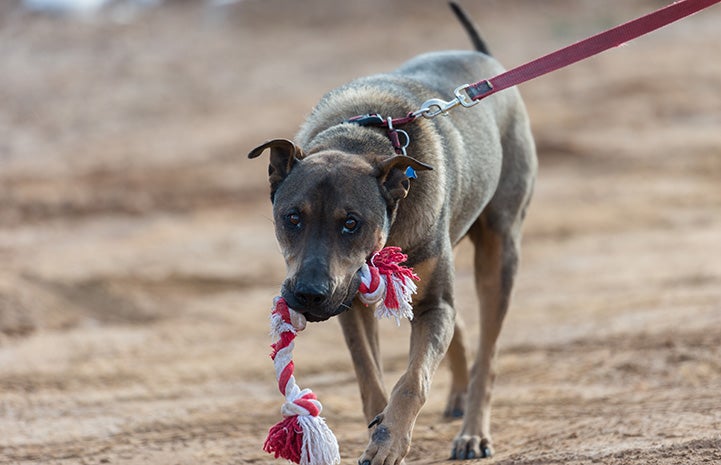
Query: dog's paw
(384, 447)
(456, 405)
(471, 447)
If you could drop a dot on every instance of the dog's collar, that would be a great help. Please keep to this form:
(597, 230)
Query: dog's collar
(394, 134)
(374, 119)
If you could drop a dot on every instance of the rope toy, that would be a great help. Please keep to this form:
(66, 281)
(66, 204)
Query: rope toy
(303, 436)
(385, 272)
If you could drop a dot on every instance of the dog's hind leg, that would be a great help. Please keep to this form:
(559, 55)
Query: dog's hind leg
(458, 362)
(496, 236)
(360, 329)
(496, 261)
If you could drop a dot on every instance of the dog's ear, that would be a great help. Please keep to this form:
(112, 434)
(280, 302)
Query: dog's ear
(283, 155)
(395, 173)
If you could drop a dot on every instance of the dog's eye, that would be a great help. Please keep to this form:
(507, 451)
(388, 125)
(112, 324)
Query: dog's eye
(293, 219)
(350, 225)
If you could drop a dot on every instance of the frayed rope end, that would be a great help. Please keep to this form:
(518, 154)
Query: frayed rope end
(285, 439)
(305, 440)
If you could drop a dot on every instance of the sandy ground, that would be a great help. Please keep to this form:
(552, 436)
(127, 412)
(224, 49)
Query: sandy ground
(138, 260)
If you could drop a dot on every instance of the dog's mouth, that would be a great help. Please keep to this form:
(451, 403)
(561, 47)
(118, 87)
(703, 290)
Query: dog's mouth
(317, 313)
(314, 318)
(336, 304)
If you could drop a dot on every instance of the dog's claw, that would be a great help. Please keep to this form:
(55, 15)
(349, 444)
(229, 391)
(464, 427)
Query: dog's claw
(471, 450)
(376, 421)
(365, 462)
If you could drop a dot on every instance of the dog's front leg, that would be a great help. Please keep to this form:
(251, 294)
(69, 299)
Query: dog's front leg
(431, 333)
(360, 329)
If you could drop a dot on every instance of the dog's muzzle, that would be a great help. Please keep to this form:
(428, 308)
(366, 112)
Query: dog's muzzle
(319, 302)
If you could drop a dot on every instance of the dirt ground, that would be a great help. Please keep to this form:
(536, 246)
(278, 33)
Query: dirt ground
(138, 260)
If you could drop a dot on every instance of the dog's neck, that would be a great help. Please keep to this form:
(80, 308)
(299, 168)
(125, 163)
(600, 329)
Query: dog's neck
(353, 140)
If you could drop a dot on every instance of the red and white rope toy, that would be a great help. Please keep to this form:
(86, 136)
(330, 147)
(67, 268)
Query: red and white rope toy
(303, 436)
(382, 272)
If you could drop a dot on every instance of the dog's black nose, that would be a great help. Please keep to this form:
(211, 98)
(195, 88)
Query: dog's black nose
(309, 295)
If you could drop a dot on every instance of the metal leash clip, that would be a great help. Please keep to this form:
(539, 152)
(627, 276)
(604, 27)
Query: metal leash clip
(465, 99)
(435, 106)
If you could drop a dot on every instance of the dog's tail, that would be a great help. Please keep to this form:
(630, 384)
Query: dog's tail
(470, 28)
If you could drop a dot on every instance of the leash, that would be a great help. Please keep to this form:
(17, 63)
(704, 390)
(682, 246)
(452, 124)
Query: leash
(469, 95)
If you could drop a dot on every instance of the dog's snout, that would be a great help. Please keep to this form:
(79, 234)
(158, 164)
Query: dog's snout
(311, 295)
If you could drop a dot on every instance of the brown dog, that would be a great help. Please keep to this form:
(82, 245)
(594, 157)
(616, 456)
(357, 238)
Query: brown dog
(340, 193)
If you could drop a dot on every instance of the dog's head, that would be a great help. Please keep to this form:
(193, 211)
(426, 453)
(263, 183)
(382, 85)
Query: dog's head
(332, 211)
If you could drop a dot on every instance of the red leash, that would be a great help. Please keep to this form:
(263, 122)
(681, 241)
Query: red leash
(586, 48)
(468, 95)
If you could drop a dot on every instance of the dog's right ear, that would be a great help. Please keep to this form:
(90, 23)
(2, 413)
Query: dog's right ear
(283, 155)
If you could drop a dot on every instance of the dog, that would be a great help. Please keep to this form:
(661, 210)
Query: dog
(340, 192)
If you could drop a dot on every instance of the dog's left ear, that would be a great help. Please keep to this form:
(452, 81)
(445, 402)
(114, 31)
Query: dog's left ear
(395, 173)
(283, 155)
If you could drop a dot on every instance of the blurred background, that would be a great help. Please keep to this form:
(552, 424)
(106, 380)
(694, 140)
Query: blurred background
(138, 261)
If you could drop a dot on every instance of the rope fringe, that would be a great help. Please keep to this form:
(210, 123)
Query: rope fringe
(385, 273)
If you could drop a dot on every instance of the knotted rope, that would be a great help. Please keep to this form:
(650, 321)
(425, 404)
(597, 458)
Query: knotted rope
(383, 272)
(303, 436)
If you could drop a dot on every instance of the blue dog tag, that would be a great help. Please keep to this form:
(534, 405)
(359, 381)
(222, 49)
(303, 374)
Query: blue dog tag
(411, 173)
